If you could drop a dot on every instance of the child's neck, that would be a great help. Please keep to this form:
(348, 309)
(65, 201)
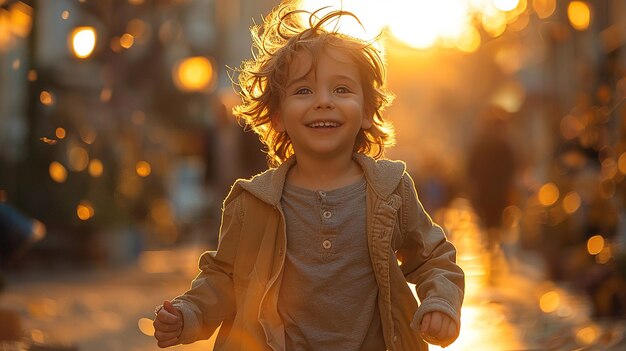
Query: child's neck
(324, 174)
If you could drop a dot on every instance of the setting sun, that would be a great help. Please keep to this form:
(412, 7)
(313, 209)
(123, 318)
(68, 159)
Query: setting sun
(425, 24)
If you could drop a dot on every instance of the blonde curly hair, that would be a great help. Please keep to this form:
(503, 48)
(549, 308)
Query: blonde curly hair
(262, 79)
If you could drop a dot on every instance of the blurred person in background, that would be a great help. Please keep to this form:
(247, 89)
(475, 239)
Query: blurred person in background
(331, 228)
(491, 171)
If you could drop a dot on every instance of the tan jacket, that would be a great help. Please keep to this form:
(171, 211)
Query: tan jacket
(238, 284)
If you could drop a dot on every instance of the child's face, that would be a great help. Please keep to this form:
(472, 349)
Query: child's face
(322, 109)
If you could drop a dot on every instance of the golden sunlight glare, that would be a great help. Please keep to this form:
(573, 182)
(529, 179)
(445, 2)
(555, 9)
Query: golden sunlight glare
(83, 41)
(505, 5)
(369, 12)
(193, 74)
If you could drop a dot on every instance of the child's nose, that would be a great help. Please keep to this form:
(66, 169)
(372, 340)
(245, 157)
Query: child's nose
(324, 101)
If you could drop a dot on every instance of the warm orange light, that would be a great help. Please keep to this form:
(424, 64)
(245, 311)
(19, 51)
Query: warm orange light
(193, 74)
(469, 41)
(96, 168)
(143, 169)
(83, 41)
(579, 15)
(85, 210)
(21, 19)
(588, 335)
(57, 172)
(548, 194)
(550, 301)
(127, 40)
(544, 8)
(145, 326)
(571, 202)
(46, 98)
(60, 133)
(595, 244)
(494, 22)
(32, 75)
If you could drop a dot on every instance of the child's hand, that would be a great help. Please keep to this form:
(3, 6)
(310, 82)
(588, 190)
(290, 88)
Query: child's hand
(438, 329)
(168, 324)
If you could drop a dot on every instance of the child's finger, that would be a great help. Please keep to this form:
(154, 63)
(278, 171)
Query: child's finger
(442, 332)
(167, 318)
(436, 321)
(425, 323)
(167, 305)
(166, 335)
(452, 330)
(167, 327)
(167, 343)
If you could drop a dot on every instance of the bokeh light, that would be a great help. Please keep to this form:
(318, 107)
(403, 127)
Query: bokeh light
(143, 169)
(57, 172)
(548, 194)
(193, 74)
(85, 210)
(96, 168)
(579, 15)
(83, 41)
(550, 302)
(595, 244)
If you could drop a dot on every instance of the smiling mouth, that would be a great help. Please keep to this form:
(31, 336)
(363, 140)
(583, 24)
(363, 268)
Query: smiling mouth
(323, 124)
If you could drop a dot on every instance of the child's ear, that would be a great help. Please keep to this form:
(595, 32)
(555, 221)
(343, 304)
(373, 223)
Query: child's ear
(366, 123)
(277, 123)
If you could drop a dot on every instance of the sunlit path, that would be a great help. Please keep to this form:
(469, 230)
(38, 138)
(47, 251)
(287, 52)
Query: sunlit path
(509, 305)
(484, 322)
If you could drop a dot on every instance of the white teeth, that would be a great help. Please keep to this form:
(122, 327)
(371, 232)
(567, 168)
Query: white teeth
(323, 124)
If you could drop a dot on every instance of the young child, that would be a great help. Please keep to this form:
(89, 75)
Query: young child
(316, 252)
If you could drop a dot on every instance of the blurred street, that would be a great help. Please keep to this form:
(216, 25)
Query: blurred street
(111, 310)
(118, 144)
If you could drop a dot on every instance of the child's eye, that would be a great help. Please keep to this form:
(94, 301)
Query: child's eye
(302, 91)
(342, 90)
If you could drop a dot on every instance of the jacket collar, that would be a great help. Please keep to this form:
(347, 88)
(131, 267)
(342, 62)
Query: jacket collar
(383, 176)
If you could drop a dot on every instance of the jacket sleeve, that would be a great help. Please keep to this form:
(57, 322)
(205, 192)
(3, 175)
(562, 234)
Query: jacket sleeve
(428, 259)
(211, 300)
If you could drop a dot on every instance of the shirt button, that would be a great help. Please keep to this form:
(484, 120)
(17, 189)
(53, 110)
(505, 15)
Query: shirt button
(327, 244)
(322, 193)
(327, 214)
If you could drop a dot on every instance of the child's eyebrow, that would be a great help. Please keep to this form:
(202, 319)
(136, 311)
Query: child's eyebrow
(344, 77)
(296, 81)
(334, 77)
